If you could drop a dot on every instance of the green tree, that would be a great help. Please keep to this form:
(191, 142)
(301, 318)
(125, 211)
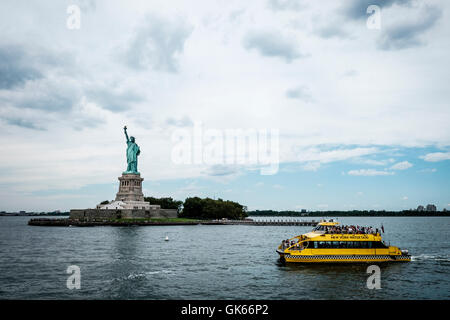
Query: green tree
(208, 208)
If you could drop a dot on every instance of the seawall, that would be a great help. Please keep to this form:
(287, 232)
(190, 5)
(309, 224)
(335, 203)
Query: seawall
(89, 214)
(143, 222)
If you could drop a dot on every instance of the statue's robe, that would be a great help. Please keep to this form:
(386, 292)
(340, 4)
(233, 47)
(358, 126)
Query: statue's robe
(132, 153)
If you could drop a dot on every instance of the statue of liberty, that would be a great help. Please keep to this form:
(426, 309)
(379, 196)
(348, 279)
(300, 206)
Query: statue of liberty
(132, 154)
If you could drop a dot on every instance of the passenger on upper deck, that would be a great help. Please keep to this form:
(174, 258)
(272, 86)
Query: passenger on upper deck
(348, 230)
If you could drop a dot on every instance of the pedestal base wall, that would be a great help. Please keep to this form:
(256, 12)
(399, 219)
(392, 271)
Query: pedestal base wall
(92, 214)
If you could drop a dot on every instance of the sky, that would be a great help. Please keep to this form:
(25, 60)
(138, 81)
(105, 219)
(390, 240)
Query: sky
(275, 104)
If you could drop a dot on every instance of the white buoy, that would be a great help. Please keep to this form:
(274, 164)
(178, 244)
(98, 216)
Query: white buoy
(167, 238)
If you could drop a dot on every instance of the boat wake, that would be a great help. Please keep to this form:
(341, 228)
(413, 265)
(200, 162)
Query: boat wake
(430, 257)
(149, 273)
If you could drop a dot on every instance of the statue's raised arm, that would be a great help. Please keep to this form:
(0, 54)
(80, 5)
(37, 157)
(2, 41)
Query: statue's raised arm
(126, 134)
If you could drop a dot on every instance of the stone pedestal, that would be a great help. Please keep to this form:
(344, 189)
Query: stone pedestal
(130, 188)
(129, 204)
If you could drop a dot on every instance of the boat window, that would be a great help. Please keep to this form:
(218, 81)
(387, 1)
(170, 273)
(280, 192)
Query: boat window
(378, 244)
(345, 244)
(321, 244)
(362, 244)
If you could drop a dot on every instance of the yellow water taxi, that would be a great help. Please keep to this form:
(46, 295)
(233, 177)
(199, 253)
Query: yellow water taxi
(329, 242)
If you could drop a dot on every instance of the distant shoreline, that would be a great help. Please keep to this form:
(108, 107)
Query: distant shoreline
(405, 213)
(63, 214)
(297, 214)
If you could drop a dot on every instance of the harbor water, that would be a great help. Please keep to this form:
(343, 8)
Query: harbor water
(212, 262)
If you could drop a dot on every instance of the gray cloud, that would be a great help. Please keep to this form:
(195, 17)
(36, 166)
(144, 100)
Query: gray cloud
(58, 101)
(22, 62)
(39, 86)
(15, 67)
(15, 121)
(157, 43)
(301, 93)
(33, 77)
(221, 170)
(272, 44)
(111, 100)
(331, 31)
(23, 118)
(335, 25)
(185, 121)
(357, 9)
(407, 34)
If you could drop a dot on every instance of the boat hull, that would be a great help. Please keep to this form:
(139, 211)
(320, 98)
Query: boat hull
(342, 258)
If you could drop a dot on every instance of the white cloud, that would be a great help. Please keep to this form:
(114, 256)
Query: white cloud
(429, 170)
(436, 156)
(404, 198)
(311, 166)
(339, 154)
(378, 162)
(369, 172)
(401, 165)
